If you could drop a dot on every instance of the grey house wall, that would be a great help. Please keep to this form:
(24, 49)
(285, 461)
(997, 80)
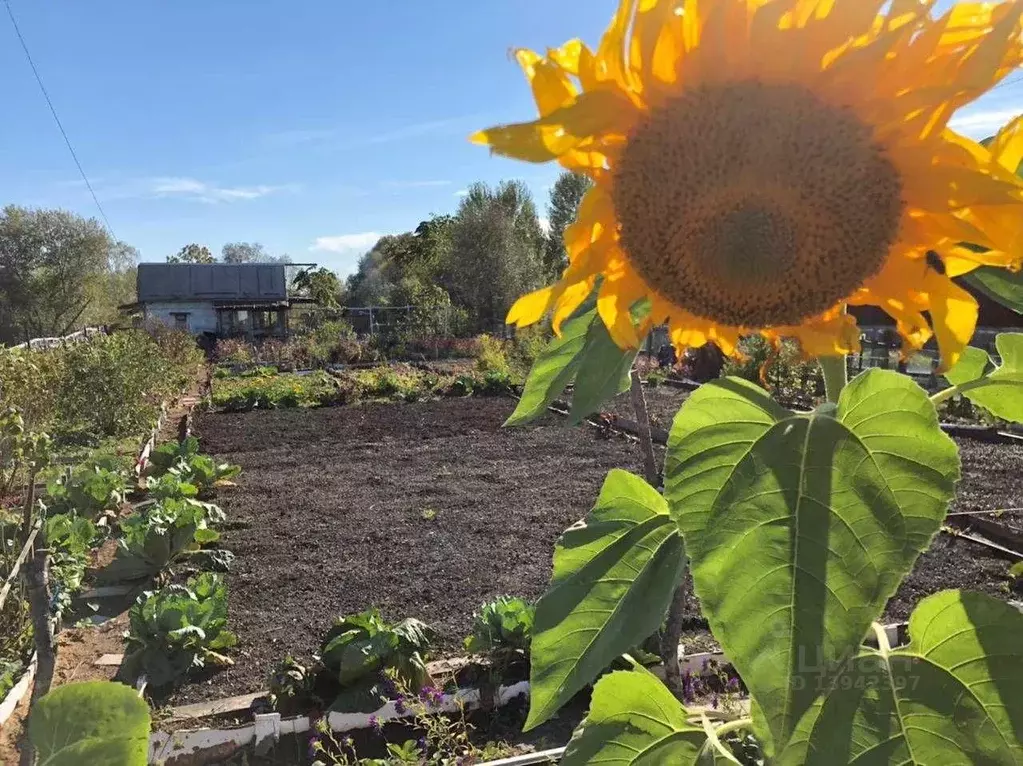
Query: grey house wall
(162, 282)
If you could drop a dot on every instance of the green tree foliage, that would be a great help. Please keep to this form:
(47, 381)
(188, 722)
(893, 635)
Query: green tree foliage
(52, 263)
(496, 251)
(192, 253)
(562, 209)
(322, 285)
(243, 252)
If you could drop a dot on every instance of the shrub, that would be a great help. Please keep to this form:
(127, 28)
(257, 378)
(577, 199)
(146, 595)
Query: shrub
(177, 628)
(178, 348)
(233, 351)
(30, 381)
(527, 345)
(492, 356)
(113, 385)
(793, 381)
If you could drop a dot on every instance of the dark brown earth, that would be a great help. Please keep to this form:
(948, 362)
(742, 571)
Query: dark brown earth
(328, 518)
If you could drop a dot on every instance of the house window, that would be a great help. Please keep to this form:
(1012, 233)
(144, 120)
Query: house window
(180, 321)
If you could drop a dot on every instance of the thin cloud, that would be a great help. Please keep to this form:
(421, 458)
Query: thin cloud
(462, 193)
(201, 191)
(982, 124)
(346, 243)
(545, 225)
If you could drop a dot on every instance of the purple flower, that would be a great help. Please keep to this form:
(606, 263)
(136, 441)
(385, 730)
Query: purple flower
(313, 746)
(374, 722)
(349, 742)
(399, 705)
(688, 688)
(733, 684)
(421, 743)
(706, 663)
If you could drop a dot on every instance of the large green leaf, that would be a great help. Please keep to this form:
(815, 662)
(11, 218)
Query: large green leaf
(585, 352)
(800, 527)
(603, 372)
(635, 721)
(952, 696)
(999, 390)
(614, 574)
(92, 722)
(1001, 285)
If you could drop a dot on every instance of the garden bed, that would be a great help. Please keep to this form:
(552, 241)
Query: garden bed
(427, 509)
(424, 510)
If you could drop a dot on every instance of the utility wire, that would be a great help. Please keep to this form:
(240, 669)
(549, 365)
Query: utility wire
(56, 119)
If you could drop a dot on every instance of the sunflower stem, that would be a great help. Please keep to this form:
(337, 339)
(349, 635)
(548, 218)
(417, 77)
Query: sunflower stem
(836, 375)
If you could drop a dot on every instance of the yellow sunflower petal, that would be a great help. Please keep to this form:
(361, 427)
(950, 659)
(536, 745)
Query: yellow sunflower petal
(1007, 147)
(531, 308)
(552, 88)
(599, 111)
(953, 314)
(572, 297)
(617, 294)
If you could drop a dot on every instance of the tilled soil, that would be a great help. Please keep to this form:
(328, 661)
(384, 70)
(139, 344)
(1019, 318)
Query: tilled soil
(423, 510)
(426, 510)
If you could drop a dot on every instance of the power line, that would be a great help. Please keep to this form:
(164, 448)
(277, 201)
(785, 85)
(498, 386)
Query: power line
(53, 111)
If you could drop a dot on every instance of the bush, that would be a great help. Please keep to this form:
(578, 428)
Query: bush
(331, 343)
(792, 381)
(233, 351)
(492, 356)
(31, 381)
(179, 349)
(113, 385)
(527, 345)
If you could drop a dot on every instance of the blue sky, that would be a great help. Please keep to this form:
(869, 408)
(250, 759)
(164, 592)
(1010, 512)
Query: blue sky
(311, 127)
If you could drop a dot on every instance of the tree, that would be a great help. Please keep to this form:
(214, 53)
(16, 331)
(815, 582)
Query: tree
(113, 288)
(244, 252)
(50, 261)
(495, 253)
(562, 209)
(322, 285)
(192, 254)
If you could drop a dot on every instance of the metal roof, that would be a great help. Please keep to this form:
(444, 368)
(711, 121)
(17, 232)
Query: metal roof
(213, 281)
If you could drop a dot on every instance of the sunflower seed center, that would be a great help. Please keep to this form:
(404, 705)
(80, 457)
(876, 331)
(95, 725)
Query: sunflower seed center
(755, 205)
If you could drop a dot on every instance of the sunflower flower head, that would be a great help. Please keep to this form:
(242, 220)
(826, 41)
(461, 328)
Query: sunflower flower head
(759, 165)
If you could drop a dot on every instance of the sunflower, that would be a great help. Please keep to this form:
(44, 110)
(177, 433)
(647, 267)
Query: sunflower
(758, 165)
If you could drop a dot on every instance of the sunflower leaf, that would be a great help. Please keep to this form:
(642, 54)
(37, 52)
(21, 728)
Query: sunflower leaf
(999, 390)
(634, 719)
(584, 352)
(1000, 285)
(799, 527)
(614, 575)
(951, 696)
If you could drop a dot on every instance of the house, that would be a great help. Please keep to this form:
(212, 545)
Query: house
(215, 299)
